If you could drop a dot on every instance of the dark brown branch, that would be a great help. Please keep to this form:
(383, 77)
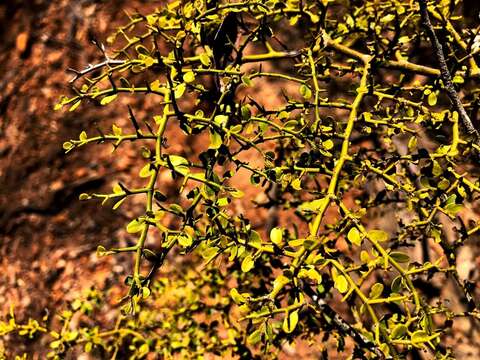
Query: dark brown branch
(330, 315)
(445, 73)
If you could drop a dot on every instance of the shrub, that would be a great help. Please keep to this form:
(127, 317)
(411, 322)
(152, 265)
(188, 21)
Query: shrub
(371, 118)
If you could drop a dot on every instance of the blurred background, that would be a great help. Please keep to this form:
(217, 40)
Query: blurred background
(47, 237)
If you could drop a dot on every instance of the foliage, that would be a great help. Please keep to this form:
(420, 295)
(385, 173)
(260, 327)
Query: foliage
(364, 127)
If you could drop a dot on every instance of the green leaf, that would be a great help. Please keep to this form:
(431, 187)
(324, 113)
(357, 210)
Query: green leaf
(376, 291)
(221, 120)
(290, 124)
(400, 257)
(412, 143)
(364, 257)
(290, 322)
(458, 79)
(108, 99)
(254, 337)
(305, 91)
(453, 209)
(278, 284)
(437, 168)
(209, 253)
(246, 80)
(311, 274)
(399, 331)
(236, 129)
(176, 209)
(248, 263)
(419, 337)
(246, 113)
(180, 164)
(396, 284)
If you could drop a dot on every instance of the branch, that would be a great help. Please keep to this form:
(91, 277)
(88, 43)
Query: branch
(328, 313)
(445, 73)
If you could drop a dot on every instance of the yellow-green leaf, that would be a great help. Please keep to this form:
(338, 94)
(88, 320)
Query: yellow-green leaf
(108, 99)
(378, 235)
(75, 105)
(399, 331)
(248, 263)
(205, 59)
(145, 292)
(84, 196)
(189, 77)
(376, 291)
(146, 171)
(67, 145)
(276, 236)
(185, 240)
(341, 283)
(254, 337)
(314, 205)
(215, 140)
(117, 189)
(135, 226)
(180, 90)
(290, 322)
(296, 184)
(419, 337)
(237, 297)
(305, 91)
(354, 236)
(83, 136)
(116, 130)
(400, 257)
(328, 144)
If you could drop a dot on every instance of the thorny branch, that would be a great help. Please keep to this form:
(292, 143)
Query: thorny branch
(445, 73)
